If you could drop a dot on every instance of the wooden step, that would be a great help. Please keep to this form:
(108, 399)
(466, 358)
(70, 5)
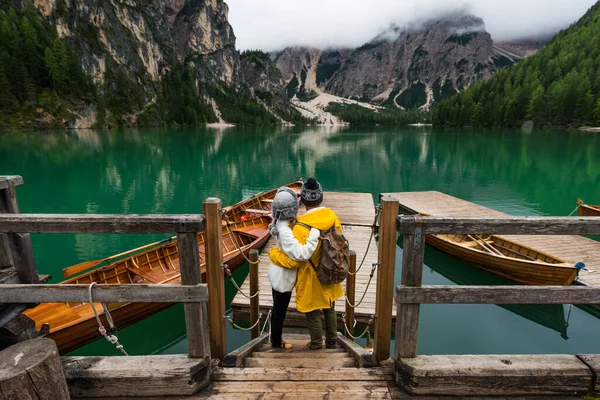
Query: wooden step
(314, 390)
(298, 374)
(286, 354)
(300, 362)
(299, 349)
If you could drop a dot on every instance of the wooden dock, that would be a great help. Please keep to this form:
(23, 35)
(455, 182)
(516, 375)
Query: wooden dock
(570, 248)
(356, 212)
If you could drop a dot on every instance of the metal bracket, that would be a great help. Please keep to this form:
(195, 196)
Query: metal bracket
(418, 235)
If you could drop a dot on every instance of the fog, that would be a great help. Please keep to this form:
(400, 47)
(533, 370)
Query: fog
(274, 24)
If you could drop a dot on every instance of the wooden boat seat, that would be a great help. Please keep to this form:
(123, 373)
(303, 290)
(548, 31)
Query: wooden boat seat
(255, 211)
(155, 275)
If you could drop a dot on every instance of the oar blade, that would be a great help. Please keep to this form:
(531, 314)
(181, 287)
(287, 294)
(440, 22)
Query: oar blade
(75, 269)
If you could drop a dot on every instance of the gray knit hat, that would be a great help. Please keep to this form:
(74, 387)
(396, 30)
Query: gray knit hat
(311, 193)
(285, 207)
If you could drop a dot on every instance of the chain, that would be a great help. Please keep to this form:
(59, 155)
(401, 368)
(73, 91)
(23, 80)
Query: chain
(234, 238)
(239, 289)
(373, 268)
(368, 244)
(367, 329)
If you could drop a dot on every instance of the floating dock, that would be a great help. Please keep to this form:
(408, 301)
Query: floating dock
(357, 210)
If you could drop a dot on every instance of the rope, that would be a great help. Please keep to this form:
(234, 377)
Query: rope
(573, 212)
(362, 334)
(110, 337)
(228, 318)
(234, 239)
(366, 289)
(265, 325)
(228, 272)
(368, 244)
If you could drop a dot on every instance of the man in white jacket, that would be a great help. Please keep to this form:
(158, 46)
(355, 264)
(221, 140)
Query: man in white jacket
(285, 211)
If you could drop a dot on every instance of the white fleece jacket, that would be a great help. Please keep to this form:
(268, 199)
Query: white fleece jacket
(284, 279)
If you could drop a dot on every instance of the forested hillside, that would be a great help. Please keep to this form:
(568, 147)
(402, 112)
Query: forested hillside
(559, 86)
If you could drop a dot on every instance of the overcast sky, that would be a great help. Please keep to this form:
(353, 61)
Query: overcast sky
(274, 24)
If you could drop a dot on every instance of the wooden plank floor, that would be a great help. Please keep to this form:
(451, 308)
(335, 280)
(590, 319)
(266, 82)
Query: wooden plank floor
(356, 211)
(570, 248)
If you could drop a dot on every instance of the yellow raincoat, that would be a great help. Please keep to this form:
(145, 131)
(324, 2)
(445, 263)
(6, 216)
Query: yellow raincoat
(311, 293)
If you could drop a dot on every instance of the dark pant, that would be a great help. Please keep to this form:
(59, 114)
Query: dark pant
(281, 301)
(315, 327)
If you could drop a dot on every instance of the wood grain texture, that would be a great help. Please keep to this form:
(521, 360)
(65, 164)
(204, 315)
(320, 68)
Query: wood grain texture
(16, 180)
(100, 223)
(236, 358)
(350, 296)
(498, 294)
(196, 315)
(255, 300)
(163, 375)
(121, 293)
(407, 322)
(32, 370)
(501, 375)
(298, 374)
(362, 357)
(385, 277)
(214, 276)
(593, 363)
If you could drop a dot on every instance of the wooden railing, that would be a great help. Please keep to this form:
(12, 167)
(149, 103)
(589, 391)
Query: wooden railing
(411, 294)
(191, 292)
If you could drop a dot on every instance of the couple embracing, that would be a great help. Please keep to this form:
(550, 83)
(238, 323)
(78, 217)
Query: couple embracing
(294, 261)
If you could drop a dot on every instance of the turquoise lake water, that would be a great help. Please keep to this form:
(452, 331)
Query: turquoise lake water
(173, 171)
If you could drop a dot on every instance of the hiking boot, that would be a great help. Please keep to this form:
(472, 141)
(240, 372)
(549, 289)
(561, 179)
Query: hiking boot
(331, 345)
(284, 345)
(310, 347)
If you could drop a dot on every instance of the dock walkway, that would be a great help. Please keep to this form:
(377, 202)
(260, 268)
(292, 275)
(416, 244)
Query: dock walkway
(569, 248)
(356, 212)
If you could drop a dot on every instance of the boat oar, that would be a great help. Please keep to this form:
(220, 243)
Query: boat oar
(486, 246)
(75, 269)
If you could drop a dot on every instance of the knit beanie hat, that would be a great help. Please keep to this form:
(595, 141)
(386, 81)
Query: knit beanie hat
(285, 207)
(311, 193)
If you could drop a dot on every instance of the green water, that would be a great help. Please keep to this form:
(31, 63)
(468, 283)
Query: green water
(162, 171)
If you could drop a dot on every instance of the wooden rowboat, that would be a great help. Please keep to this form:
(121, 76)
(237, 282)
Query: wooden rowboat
(586, 210)
(73, 325)
(506, 258)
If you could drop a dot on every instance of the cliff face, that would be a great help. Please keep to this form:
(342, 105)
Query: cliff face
(406, 68)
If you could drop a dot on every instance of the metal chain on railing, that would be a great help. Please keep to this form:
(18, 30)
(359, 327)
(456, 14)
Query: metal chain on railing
(234, 283)
(108, 336)
(228, 318)
(373, 268)
(373, 228)
(234, 239)
(367, 329)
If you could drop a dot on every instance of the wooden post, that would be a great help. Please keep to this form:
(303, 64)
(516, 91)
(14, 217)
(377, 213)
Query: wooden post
(214, 276)
(254, 303)
(351, 295)
(407, 315)
(196, 320)
(32, 370)
(385, 277)
(16, 248)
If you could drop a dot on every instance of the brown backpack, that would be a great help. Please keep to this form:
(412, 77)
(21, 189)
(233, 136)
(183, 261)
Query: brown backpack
(334, 263)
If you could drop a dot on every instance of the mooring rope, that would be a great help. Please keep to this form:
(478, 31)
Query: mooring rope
(368, 244)
(373, 268)
(268, 319)
(110, 337)
(239, 289)
(367, 329)
(573, 212)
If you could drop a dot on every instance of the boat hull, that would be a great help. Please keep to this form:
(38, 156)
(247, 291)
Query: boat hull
(518, 270)
(588, 211)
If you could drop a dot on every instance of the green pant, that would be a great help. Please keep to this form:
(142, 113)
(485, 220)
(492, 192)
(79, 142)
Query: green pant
(315, 327)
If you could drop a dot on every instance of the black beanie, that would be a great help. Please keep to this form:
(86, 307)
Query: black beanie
(311, 193)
